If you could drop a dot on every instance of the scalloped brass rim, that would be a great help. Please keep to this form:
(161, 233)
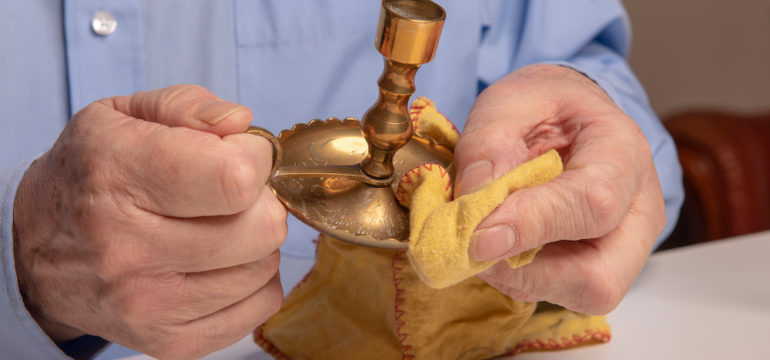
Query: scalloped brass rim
(337, 210)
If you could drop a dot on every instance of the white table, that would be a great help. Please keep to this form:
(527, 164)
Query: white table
(710, 301)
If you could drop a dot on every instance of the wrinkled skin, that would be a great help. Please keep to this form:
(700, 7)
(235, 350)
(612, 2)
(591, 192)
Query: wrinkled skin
(149, 224)
(597, 222)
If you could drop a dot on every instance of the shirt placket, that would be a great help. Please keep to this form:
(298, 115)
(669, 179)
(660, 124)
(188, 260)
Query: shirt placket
(105, 49)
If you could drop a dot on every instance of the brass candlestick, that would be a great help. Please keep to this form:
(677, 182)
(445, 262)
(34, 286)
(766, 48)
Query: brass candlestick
(338, 175)
(407, 36)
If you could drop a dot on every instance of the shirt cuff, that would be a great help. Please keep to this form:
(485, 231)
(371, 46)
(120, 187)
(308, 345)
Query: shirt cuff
(610, 90)
(20, 335)
(84, 347)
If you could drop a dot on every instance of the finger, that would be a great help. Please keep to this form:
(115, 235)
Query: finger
(231, 324)
(586, 201)
(193, 339)
(219, 242)
(189, 106)
(167, 244)
(525, 114)
(478, 155)
(207, 292)
(490, 277)
(588, 276)
(186, 173)
(168, 298)
(494, 138)
(170, 166)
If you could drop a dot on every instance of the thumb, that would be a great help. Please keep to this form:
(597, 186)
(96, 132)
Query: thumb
(189, 106)
(485, 153)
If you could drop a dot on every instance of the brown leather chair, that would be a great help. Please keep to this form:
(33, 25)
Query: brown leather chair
(726, 168)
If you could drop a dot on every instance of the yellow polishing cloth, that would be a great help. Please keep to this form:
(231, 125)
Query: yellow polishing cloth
(430, 123)
(441, 229)
(364, 303)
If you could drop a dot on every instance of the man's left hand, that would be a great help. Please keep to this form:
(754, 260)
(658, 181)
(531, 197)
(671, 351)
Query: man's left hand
(597, 222)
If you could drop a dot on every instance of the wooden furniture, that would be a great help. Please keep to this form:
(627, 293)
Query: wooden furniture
(726, 168)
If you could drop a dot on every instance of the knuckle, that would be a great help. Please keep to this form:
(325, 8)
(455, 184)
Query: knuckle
(274, 206)
(177, 98)
(655, 215)
(660, 220)
(95, 111)
(606, 298)
(177, 347)
(87, 222)
(529, 234)
(644, 152)
(89, 229)
(274, 306)
(240, 181)
(109, 258)
(90, 111)
(192, 89)
(129, 309)
(117, 246)
(115, 259)
(273, 301)
(520, 295)
(659, 212)
(135, 309)
(270, 264)
(604, 205)
(637, 142)
(151, 301)
(601, 291)
(276, 226)
(278, 214)
(641, 144)
(174, 93)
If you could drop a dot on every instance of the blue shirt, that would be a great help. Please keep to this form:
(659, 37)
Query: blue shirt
(290, 61)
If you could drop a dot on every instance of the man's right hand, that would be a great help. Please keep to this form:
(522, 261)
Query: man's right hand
(149, 224)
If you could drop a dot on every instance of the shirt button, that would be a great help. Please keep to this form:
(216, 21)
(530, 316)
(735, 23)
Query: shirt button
(103, 23)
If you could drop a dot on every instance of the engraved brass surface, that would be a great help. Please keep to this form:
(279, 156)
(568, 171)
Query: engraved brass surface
(340, 206)
(339, 176)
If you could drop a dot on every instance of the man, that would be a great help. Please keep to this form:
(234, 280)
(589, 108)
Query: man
(148, 223)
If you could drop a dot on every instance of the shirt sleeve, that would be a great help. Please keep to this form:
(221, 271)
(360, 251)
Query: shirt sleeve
(591, 37)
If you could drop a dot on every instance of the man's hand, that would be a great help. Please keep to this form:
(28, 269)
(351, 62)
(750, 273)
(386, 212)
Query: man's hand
(149, 224)
(597, 221)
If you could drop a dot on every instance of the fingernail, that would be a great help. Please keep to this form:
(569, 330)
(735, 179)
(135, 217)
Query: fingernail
(492, 242)
(475, 176)
(213, 111)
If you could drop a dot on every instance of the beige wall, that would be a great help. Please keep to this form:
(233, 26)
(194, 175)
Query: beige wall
(712, 54)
